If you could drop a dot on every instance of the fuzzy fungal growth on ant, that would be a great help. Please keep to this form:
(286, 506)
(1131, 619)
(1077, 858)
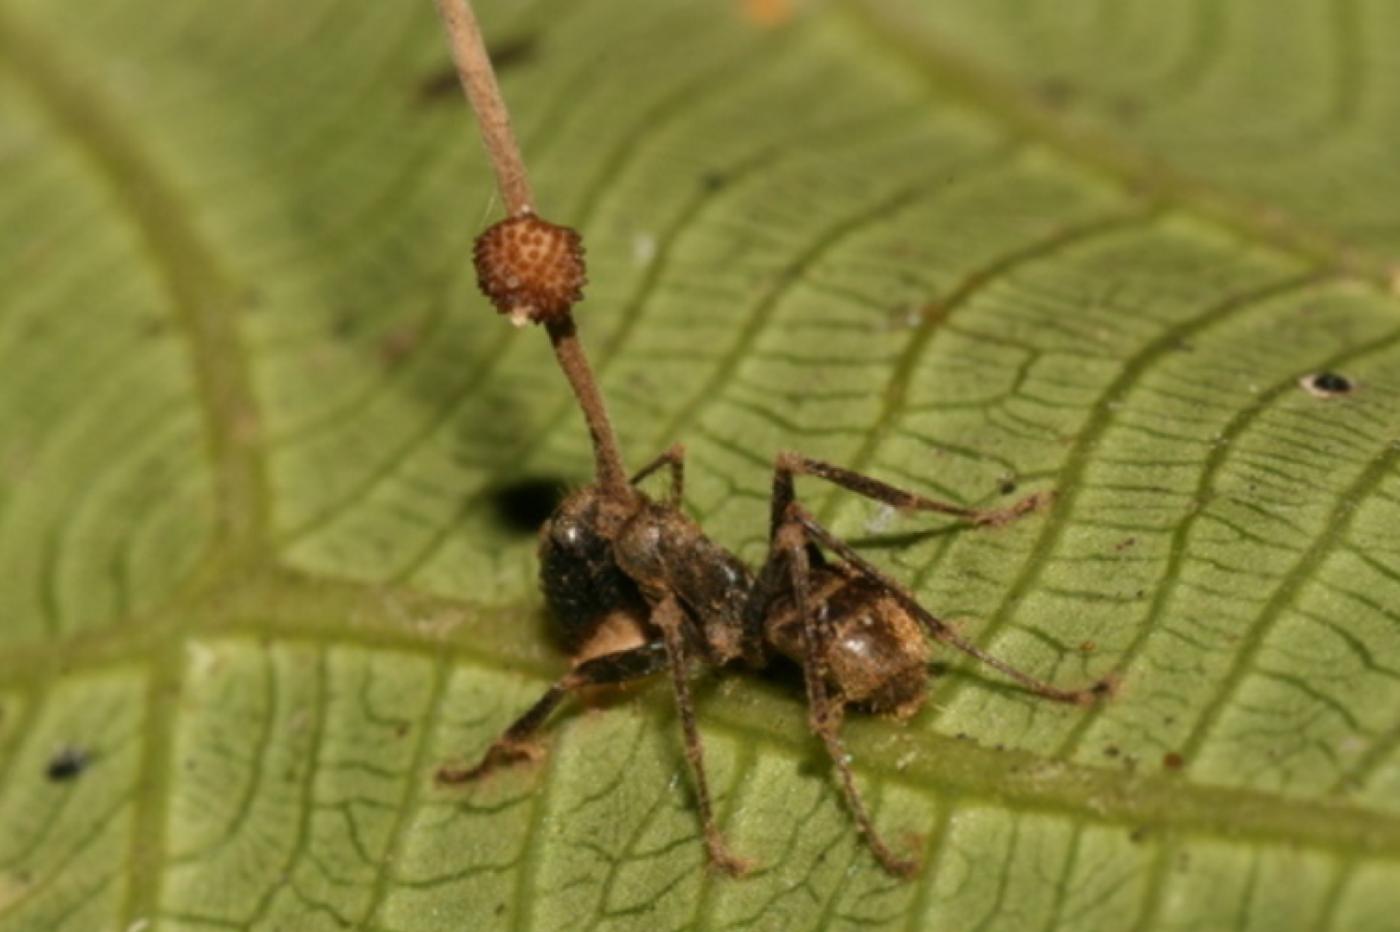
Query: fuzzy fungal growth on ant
(639, 590)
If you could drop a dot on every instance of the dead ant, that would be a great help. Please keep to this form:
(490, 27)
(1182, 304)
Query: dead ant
(621, 568)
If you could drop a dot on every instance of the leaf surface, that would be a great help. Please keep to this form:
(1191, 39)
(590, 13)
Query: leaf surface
(272, 470)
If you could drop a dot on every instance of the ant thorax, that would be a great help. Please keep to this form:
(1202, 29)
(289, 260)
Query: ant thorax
(667, 552)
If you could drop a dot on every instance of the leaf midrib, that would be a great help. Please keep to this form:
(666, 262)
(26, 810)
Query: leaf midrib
(295, 609)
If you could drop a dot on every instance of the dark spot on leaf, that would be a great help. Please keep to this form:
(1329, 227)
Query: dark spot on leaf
(713, 181)
(66, 764)
(1138, 835)
(1124, 544)
(1111, 751)
(1126, 109)
(1057, 92)
(1173, 761)
(344, 324)
(442, 82)
(1088, 647)
(1326, 384)
(514, 51)
(1007, 486)
(524, 505)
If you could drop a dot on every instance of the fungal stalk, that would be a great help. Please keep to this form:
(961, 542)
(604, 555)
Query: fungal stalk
(531, 270)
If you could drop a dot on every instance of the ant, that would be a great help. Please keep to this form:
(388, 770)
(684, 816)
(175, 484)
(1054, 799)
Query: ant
(636, 586)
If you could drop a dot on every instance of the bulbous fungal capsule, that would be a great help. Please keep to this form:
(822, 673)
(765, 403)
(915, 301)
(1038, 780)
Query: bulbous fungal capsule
(531, 269)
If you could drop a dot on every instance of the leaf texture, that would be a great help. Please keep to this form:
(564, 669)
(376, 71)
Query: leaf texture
(272, 468)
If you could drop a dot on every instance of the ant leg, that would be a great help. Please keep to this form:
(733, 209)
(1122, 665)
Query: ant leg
(675, 459)
(769, 585)
(790, 464)
(824, 714)
(667, 616)
(514, 744)
(940, 629)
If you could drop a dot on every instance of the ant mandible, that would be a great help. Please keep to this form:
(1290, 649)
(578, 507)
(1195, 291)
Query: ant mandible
(620, 566)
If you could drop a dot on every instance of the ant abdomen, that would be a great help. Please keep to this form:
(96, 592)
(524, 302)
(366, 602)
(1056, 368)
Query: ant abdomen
(877, 655)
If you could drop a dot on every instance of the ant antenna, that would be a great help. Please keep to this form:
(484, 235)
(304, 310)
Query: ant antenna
(531, 269)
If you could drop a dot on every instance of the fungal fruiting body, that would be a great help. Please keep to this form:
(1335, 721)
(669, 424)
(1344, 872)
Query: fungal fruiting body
(531, 269)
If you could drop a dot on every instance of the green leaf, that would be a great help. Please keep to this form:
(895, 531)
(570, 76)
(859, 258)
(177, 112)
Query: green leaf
(269, 461)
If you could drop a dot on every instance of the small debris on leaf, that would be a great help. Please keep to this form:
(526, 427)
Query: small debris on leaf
(67, 763)
(1327, 384)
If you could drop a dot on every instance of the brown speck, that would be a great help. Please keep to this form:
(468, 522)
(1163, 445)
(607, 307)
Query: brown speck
(398, 343)
(1088, 647)
(1173, 761)
(1111, 751)
(1057, 92)
(1126, 109)
(530, 268)
(767, 13)
(1124, 544)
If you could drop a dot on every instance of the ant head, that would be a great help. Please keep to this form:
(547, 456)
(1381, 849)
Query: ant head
(578, 571)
